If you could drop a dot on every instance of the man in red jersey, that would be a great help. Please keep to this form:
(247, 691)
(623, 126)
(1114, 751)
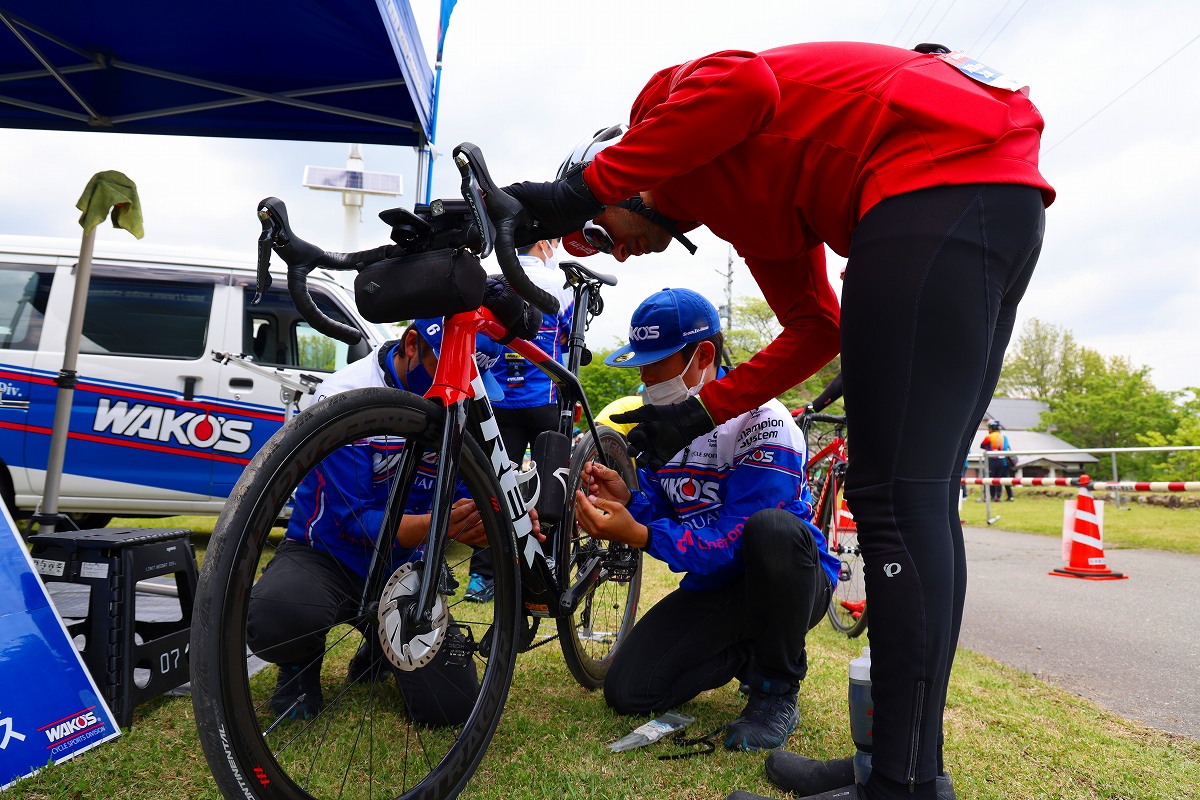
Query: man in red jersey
(921, 167)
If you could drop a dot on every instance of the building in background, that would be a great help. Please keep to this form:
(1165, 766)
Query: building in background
(1017, 417)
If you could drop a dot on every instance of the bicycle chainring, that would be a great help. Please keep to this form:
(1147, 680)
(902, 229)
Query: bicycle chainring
(406, 647)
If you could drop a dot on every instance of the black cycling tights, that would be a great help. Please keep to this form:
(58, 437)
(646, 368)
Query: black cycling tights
(928, 305)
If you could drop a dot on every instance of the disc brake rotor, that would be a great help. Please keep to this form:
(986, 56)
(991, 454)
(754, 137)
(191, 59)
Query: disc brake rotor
(406, 648)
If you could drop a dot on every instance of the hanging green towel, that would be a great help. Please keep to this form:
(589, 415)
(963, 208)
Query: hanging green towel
(111, 189)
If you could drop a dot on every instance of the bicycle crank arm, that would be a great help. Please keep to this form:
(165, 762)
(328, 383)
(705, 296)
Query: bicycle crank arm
(589, 576)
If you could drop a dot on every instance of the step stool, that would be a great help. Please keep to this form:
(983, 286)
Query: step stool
(111, 561)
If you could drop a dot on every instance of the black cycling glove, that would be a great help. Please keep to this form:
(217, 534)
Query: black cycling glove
(558, 207)
(664, 430)
(522, 320)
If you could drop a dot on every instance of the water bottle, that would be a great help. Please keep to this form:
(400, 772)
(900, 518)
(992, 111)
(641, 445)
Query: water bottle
(861, 714)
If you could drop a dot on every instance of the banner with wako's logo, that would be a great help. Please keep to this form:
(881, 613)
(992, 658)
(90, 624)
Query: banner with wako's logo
(50, 708)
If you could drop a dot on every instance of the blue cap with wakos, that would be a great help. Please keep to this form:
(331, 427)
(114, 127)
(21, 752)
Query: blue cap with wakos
(664, 324)
(487, 352)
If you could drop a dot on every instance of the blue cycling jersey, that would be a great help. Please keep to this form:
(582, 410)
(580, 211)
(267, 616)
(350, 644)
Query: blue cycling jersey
(697, 504)
(338, 507)
(526, 386)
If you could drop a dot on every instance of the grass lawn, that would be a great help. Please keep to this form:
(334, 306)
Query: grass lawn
(1008, 736)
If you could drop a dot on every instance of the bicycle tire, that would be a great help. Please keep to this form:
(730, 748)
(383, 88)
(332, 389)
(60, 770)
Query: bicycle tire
(591, 636)
(847, 610)
(359, 744)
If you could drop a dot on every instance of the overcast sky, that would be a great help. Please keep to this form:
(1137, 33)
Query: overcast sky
(526, 79)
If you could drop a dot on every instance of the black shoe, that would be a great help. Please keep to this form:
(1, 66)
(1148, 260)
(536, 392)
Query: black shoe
(368, 664)
(849, 790)
(802, 776)
(770, 715)
(298, 690)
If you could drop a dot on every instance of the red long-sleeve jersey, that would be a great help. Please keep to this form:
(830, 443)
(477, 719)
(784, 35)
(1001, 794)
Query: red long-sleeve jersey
(783, 151)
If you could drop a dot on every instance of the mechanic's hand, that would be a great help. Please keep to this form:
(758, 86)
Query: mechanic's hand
(609, 520)
(466, 525)
(664, 430)
(603, 483)
(559, 207)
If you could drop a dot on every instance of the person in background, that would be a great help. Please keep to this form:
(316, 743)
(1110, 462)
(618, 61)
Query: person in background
(338, 508)
(995, 441)
(619, 406)
(921, 168)
(732, 511)
(530, 403)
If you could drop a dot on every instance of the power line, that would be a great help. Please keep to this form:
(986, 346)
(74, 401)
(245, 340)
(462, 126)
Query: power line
(1005, 25)
(938, 24)
(924, 17)
(1122, 94)
(875, 28)
(983, 33)
(904, 24)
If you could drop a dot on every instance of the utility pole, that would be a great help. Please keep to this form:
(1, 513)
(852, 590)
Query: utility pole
(727, 310)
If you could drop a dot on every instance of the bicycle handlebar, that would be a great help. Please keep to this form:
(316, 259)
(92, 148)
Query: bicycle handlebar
(302, 258)
(489, 220)
(496, 211)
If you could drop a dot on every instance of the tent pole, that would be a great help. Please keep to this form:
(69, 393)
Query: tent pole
(437, 91)
(48, 518)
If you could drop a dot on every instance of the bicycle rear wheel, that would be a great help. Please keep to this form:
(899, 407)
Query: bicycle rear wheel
(848, 605)
(362, 743)
(590, 637)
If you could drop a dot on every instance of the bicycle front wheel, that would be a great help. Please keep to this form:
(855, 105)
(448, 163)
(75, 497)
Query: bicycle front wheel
(372, 734)
(848, 605)
(591, 635)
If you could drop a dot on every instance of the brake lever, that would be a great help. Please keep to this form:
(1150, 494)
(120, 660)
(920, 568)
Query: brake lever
(473, 194)
(271, 228)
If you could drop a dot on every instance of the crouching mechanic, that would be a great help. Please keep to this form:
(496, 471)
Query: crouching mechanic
(732, 511)
(315, 579)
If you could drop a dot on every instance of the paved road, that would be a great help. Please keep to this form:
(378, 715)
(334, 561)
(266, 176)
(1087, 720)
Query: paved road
(1133, 646)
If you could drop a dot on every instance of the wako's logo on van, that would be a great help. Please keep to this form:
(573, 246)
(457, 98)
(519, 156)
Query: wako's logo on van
(198, 429)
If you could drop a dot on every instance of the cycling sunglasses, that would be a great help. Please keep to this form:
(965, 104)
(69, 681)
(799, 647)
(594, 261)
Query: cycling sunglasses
(588, 241)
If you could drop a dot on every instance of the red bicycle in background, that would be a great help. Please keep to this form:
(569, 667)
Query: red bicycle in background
(826, 473)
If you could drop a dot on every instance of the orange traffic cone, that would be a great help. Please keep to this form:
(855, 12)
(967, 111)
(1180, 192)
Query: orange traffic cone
(1087, 546)
(845, 520)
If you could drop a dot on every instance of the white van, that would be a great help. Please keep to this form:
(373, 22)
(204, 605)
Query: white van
(159, 426)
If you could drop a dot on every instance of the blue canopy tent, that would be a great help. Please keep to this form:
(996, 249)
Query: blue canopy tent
(307, 70)
(351, 71)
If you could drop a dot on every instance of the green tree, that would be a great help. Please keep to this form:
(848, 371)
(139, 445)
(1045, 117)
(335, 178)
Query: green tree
(1111, 403)
(1182, 465)
(603, 384)
(316, 352)
(1043, 363)
(754, 327)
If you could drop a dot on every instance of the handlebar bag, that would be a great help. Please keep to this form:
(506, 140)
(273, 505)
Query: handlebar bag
(432, 284)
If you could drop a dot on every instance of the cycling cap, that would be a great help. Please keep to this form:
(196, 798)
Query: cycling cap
(581, 154)
(487, 352)
(994, 425)
(664, 324)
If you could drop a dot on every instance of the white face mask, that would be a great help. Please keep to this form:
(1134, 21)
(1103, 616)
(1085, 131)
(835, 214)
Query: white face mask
(673, 390)
(551, 260)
